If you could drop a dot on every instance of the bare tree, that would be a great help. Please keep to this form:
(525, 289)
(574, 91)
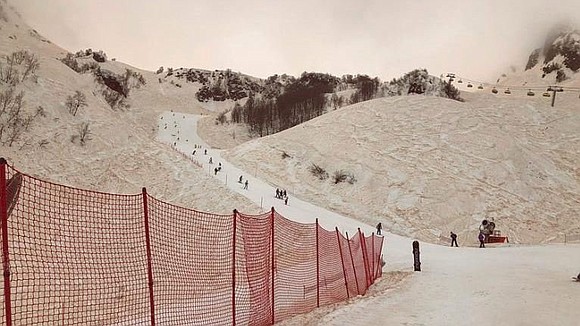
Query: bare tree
(13, 120)
(73, 103)
(84, 133)
(30, 65)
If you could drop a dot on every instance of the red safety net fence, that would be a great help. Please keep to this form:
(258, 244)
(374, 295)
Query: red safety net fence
(78, 257)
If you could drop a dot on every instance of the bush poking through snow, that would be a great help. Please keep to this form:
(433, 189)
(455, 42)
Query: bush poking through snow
(75, 102)
(318, 172)
(10, 72)
(221, 118)
(13, 120)
(83, 134)
(339, 176)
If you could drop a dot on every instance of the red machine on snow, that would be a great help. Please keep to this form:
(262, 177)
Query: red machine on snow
(491, 234)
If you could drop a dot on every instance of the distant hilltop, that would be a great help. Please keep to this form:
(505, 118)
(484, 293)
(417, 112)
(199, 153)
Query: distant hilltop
(560, 54)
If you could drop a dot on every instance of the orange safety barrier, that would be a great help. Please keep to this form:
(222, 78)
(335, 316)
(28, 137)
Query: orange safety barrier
(79, 257)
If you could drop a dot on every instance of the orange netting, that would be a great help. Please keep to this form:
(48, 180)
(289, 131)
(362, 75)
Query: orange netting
(79, 257)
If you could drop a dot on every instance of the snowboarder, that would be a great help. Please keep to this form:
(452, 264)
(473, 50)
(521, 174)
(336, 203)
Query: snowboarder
(246, 185)
(379, 228)
(481, 240)
(240, 179)
(453, 239)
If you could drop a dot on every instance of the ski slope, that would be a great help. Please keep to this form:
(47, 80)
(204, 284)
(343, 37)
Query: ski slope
(506, 285)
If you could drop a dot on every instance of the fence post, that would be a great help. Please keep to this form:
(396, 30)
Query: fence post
(317, 267)
(374, 276)
(5, 251)
(234, 227)
(272, 260)
(148, 244)
(365, 258)
(342, 260)
(352, 261)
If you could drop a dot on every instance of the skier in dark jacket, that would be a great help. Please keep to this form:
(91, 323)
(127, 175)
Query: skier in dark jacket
(453, 239)
(481, 240)
(379, 228)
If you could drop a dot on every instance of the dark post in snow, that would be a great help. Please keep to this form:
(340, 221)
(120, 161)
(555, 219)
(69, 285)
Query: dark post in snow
(416, 256)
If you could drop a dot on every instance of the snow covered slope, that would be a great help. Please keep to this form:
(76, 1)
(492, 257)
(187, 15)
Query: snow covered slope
(121, 155)
(425, 166)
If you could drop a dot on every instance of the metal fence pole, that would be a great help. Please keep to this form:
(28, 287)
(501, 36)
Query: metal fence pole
(148, 245)
(5, 251)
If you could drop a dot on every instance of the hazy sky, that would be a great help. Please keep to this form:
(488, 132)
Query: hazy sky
(477, 39)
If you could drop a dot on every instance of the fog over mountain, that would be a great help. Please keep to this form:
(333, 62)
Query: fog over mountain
(262, 38)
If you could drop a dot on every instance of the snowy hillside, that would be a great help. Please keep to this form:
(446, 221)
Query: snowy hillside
(425, 166)
(120, 154)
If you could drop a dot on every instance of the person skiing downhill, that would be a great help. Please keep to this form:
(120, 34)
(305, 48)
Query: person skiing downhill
(453, 239)
(246, 184)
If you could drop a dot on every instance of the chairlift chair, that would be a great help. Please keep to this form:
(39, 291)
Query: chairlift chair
(480, 87)
(530, 93)
(494, 90)
(507, 91)
(469, 85)
(546, 94)
(460, 81)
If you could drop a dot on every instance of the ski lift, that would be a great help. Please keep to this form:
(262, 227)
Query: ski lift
(559, 89)
(494, 90)
(460, 81)
(507, 91)
(469, 85)
(546, 94)
(480, 87)
(530, 93)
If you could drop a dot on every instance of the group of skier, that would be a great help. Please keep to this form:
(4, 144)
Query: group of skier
(281, 194)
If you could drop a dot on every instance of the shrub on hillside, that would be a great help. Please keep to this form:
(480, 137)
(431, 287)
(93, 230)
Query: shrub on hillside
(75, 102)
(551, 67)
(14, 121)
(18, 67)
(99, 56)
(339, 176)
(318, 172)
(561, 76)
(116, 88)
(82, 135)
(221, 118)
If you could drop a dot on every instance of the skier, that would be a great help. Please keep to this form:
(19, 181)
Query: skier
(481, 238)
(286, 201)
(277, 193)
(210, 161)
(193, 153)
(215, 171)
(240, 179)
(205, 152)
(453, 239)
(246, 184)
(379, 228)
(284, 193)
